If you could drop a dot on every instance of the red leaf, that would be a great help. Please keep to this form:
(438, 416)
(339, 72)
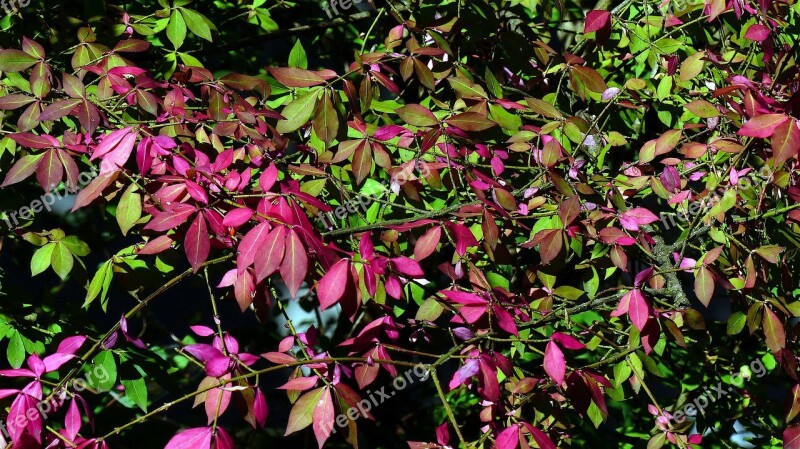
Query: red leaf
(295, 77)
(252, 242)
(417, 115)
(791, 437)
(567, 341)
(362, 161)
(260, 409)
(762, 125)
(237, 217)
(632, 219)
(197, 438)
(756, 32)
(638, 310)
(49, 171)
(704, 285)
(269, 258)
(268, 178)
(196, 244)
(508, 438)
(299, 384)
(22, 169)
(463, 237)
(596, 20)
(39, 142)
(540, 437)
(551, 244)
(295, 263)
(774, 331)
(408, 267)
(785, 142)
(165, 221)
(505, 320)
(554, 364)
(14, 101)
(95, 189)
(470, 121)
(323, 417)
(111, 141)
(302, 413)
(331, 287)
(426, 244)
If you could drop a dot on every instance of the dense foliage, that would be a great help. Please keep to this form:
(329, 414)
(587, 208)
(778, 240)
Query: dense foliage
(441, 224)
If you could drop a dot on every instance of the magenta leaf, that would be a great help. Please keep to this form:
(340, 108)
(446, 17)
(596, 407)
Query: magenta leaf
(197, 438)
(554, 364)
(332, 286)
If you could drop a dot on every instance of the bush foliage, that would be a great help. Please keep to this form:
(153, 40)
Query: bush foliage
(517, 223)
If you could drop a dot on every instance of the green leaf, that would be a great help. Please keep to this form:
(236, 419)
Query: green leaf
(298, 112)
(302, 412)
(736, 323)
(196, 23)
(62, 260)
(568, 292)
(100, 283)
(76, 246)
(666, 46)
(41, 259)
(15, 60)
(16, 350)
(136, 391)
(297, 57)
(725, 204)
(104, 372)
(176, 29)
(129, 210)
(430, 310)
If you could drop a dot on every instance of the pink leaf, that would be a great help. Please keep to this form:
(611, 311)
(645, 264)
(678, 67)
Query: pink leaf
(237, 217)
(72, 421)
(632, 219)
(197, 438)
(323, 417)
(295, 263)
(638, 310)
(54, 361)
(260, 408)
(554, 364)
(426, 244)
(470, 368)
(567, 341)
(505, 320)
(196, 244)
(70, 345)
(22, 169)
(408, 267)
(597, 20)
(271, 255)
(299, 384)
(331, 287)
(758, 33)
(762, 125)
(252, 242)
(508, 438)
(111, 141)
(164, 221)
(268, 178)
